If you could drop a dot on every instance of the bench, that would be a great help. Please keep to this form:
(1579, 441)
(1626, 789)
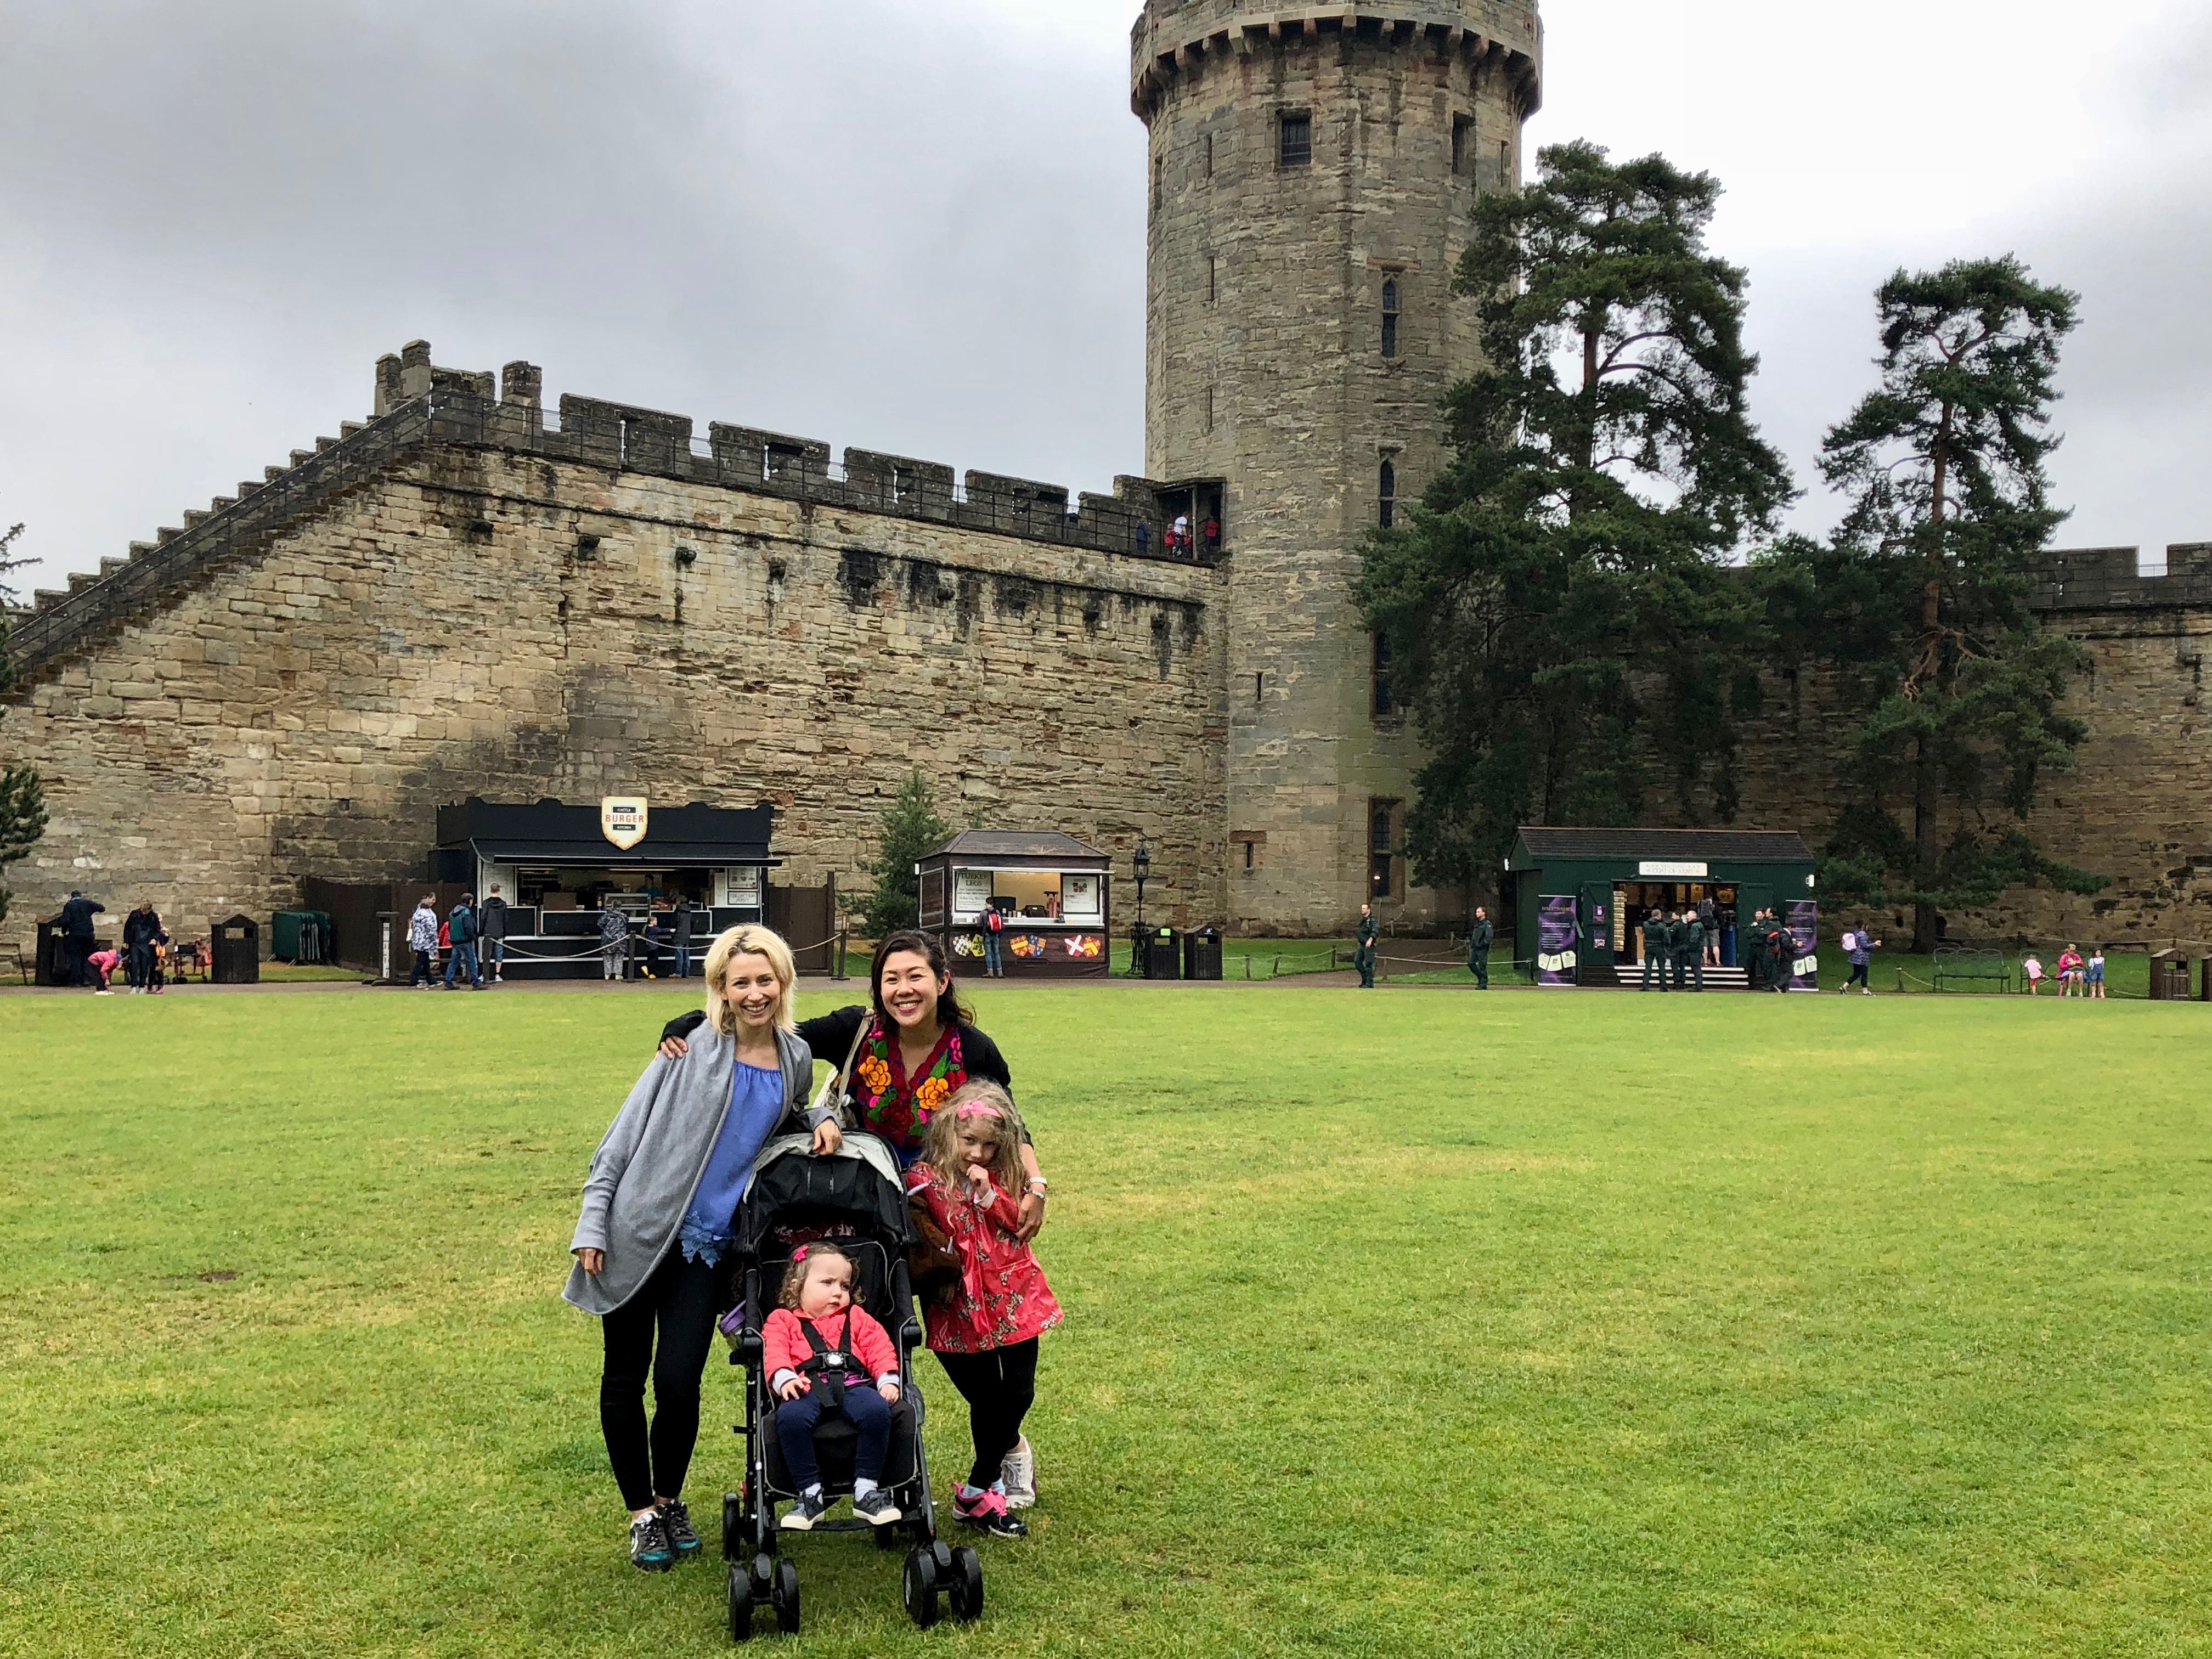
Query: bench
(1973, 961)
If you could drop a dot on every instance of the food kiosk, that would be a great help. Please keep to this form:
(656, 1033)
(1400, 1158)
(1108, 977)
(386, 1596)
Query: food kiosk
(1052, 890)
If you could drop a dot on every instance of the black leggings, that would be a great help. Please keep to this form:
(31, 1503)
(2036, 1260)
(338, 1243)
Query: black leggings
(683, 1299)
(999, 1388)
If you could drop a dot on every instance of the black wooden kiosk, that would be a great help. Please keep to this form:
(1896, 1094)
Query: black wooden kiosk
(558, 871)
(1053, 890)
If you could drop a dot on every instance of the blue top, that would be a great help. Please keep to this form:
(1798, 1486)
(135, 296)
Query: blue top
(756, 1105)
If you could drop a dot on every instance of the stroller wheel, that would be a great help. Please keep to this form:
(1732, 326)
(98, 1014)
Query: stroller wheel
(741, 1602)
(919, 1586)
(783, 1596)
(733, 1526)
(966, 1591)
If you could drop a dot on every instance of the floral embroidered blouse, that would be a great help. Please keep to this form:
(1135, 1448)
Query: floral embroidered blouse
(1003, 1297)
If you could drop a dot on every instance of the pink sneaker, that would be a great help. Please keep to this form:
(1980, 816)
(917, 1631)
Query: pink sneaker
(987, 1510)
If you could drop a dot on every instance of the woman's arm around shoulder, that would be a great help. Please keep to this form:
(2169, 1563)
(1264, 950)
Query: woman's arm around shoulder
(831, 1033)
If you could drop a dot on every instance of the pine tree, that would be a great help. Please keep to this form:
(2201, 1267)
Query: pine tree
(911, 832)
(1558, 614)
(1921, 604)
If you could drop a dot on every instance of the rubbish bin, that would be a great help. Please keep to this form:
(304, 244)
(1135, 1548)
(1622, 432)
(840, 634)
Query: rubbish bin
(1201, 954)
(2169, 976)
(1162, 953)
(236, 942)
(300, 935)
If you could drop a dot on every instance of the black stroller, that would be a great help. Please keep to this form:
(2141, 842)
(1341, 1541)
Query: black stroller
(855, 1201)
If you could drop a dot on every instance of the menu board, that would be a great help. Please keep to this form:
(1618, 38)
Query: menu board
(1079, 897)
(971, 891)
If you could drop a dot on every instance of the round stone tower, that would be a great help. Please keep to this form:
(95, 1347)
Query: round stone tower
(1312, 172)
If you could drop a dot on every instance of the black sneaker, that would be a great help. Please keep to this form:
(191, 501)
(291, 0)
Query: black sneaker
(648, 1545)
(681, 1537)
(802, 1515)
(878, 1509)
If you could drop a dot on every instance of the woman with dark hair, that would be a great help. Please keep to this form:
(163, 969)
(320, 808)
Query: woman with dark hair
(917, 1042)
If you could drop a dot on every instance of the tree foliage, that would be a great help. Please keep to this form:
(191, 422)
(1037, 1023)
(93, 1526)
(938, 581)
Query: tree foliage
(1557, 611)
(1921, 605)
(911, 832)
(8, 539)
(22, 798)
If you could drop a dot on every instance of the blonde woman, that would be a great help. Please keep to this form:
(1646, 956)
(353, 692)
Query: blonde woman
(659, 1206)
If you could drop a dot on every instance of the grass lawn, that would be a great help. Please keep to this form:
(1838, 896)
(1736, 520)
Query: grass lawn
(1398, 1324)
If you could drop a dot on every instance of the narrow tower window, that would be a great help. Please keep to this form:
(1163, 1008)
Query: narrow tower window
(1159, 170)
(1380, 703)
(1504, 164)
(1382, 873)
(1462, 130)
(1294, 139)
(1212, 280)
(1209, 155)
(1390, 493)
(1390, 318)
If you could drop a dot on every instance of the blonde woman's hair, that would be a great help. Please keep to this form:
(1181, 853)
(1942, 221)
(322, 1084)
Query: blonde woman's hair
(749, 939)
(941, 1143)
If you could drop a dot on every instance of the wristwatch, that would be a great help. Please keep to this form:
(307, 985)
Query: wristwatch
(1038, 1184)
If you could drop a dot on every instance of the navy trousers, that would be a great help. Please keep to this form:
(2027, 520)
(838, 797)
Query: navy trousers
(869, 1413)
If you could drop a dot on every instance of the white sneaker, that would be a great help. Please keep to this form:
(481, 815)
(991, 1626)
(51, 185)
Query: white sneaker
(1019, 1472)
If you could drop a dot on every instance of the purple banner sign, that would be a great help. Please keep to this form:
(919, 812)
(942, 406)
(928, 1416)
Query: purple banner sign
(1555, 940)
(1804, 934)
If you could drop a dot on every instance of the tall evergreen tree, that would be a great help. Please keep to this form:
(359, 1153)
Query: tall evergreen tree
(1921, 604)
(911, 831)
(1557, 611)
(23, 798)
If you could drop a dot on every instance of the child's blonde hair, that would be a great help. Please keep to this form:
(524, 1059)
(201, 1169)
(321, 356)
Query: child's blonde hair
(749, 939)
(795, 1276)
(941, 1146)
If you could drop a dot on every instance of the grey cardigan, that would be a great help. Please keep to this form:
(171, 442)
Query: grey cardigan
(646, 1169)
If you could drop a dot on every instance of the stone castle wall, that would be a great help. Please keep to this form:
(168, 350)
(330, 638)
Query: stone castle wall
(492, 619)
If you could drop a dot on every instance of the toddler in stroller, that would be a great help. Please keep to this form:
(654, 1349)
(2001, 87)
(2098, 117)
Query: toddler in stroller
(816, 1378)
(826, 1301)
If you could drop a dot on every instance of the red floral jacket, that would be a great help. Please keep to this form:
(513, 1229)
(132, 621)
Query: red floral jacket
(1003, 1297)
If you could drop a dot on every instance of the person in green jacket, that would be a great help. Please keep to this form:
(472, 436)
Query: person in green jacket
(1689, 949)
(1364, 958)
(1479, 939)
(1751, 947)
(1658, 941)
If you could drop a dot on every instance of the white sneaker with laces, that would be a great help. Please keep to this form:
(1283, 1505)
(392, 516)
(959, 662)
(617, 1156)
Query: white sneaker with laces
(1018, 1471)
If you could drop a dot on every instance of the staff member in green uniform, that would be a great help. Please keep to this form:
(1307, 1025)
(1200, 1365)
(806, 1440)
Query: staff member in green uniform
(1751, 948)
(1364, 958)
(1689, 949)
(1658, 940)
(1479, 939)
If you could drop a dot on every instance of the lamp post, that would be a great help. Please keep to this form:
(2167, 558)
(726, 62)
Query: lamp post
(1142, 863)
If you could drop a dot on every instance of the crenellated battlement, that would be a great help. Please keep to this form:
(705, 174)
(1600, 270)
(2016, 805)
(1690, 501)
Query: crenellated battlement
(1175, 40)
(2091, 578)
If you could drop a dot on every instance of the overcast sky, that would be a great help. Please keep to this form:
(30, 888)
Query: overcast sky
(919, 228)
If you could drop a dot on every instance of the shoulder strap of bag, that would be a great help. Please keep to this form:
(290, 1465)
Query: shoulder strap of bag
(833, 1092)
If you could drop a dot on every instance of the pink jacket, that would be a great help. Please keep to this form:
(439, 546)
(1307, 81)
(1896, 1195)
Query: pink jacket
(784, 1346)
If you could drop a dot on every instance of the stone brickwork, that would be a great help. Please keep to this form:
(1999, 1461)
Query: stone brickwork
(513, 611)
(1266, 370)
(2133, 807)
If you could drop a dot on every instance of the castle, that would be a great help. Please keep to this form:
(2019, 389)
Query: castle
(471, 594)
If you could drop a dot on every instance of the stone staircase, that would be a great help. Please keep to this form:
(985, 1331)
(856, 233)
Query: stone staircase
(1629, 977)
(63, 620)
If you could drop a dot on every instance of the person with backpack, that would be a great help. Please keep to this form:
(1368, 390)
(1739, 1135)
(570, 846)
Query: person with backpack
(491, 927)
(994, 929)
(461, 933)
(1859, 950)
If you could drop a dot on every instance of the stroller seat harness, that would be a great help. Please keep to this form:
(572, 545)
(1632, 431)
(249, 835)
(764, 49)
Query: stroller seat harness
(831, 1368)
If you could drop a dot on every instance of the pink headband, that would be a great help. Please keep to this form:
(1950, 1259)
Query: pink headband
(980, 1108)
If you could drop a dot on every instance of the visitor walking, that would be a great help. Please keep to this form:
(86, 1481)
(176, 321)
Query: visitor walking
(658, 1210)
(1781, 946)
(492, 924)
(994, 943)
(1363, 957)
(140, 929)
(614, 938)
(422, 939)
(461, 929)
(1479, 939)
(1858, 949)
(73, 959)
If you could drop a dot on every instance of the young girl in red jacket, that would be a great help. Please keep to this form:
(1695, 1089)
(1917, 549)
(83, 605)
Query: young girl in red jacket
(818, 1296)
(985, 1331)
